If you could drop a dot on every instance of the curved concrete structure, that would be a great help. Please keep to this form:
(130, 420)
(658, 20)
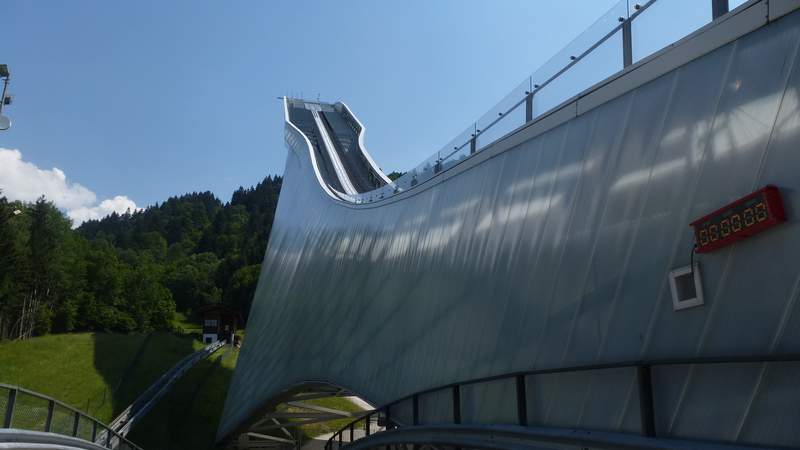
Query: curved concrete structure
(552, 248)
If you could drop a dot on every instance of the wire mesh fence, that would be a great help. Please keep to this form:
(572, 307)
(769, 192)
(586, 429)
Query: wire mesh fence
(87, 429)
(27, 410)
(30, 412)
(63, 420)
(3, 407)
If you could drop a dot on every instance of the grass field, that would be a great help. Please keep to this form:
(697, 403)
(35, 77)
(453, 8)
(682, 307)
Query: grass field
(101, 374)
(187, 417)
(97, 373)
(186, 324)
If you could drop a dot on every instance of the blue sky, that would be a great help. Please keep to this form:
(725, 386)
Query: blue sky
(150, 99)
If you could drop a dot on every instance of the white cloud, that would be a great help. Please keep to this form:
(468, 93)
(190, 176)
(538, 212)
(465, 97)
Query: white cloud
(22, 180)
(118, 204)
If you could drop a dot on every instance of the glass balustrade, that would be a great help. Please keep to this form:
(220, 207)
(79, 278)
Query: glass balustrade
(597, 53)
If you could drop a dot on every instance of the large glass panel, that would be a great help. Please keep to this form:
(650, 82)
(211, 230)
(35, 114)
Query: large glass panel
(425, 171)
(452, 153)
(602, 62)
(510, 113)
(506, 116)
(590, 58)
(436, 407)
(402, 413)
(665, 22)
(458, 149)
(580, 45)
(733, 4)
(492, 402)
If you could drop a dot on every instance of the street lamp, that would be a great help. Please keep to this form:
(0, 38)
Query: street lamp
(5, 99)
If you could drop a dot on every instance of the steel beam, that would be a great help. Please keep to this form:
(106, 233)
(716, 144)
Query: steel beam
(270, 438)
(312, 396)
(12, 400)
(320, 409)
(627, 44)
(719, 8)
(415, 410)
(48, 423)
(76, 420)
(646, 409)
(522, 401)
(456, 404)
(529, 108)
(298, 415)
(296, 424)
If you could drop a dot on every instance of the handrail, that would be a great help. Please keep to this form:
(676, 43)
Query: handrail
(514, 437)
(643, 380)
(524, 94)
(45, 418)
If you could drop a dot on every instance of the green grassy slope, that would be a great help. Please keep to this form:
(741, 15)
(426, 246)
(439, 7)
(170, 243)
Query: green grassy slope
(97, 373)
(186, 324)
(187, 417)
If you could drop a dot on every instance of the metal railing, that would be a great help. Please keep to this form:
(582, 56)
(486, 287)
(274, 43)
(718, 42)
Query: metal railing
(625, 34)
(23, 409)
(387, 414)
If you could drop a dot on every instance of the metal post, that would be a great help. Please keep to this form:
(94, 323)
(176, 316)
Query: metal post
(12, 399)
(3, 97)
(367, 424)
(94, 431)
(388, 420)
(627, 43)
(529, 107)
(456, 405)
(522, 404)
(108, 437)
(646, 408)
(48, 423)
(340, 439)
(351, 432)
(719, 8)
(472, 145)
(415, 409)
(75, 423)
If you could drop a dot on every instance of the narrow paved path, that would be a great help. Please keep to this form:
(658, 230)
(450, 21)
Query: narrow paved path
(318, 443)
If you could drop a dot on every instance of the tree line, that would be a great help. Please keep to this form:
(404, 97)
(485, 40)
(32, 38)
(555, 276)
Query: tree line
(130, 272)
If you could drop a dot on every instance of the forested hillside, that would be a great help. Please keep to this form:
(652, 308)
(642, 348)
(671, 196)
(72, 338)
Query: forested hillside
(130, 272)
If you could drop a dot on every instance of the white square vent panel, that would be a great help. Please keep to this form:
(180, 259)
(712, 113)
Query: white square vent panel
(686, 286)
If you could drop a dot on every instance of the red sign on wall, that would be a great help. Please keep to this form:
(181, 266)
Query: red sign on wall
(741, 219)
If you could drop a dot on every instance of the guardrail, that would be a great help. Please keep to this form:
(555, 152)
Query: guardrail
(453, 393)
(625, 34)
(23, 409)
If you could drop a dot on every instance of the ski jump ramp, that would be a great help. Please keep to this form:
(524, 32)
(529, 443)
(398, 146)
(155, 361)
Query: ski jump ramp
(552, 248)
